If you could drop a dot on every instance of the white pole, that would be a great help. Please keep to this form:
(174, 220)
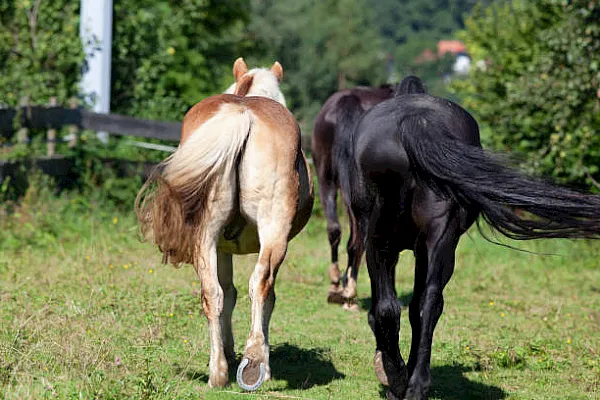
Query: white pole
(95, 30)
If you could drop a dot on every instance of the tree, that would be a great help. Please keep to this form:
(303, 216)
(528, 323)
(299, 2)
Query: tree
(170, 54)
(538, 83)
(411, 26)
(40, 52)
(323, 46)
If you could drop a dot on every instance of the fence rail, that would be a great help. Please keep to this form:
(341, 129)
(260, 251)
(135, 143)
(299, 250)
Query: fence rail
(52, 118)
(44, 118)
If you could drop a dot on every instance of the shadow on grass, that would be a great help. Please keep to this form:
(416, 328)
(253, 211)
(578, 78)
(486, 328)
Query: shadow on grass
(449, 383)
(300, 368)
(404, 299)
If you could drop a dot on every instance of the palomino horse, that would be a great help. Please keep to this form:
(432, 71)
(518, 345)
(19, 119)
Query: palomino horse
(420, 179)
(238, 184)
(328, 138)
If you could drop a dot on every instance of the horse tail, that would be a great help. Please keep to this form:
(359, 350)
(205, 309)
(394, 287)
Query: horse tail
(410, 84)
(349, 111)
(515, 204)
(172, 205)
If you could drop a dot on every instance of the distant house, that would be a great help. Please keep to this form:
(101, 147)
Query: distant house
(450, 46)
(462, 63)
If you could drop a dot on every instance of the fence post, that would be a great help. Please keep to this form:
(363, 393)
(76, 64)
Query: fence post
(73, 130)
(23, 133)
(51, 141)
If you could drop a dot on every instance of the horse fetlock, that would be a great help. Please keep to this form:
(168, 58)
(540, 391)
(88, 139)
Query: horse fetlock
(416, 394)
(334, 273)
(418, 387)
(349, 292)
(219, 378)
(391, 373)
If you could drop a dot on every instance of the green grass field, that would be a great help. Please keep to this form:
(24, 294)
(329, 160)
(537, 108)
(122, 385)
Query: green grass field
(88, 312)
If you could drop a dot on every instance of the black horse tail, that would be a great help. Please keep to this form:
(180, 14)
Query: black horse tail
(515, 204)
(410, 84)
(349, 112)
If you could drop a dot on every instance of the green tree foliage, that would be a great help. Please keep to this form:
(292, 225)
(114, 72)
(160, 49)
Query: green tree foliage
(538, 91)
(170, 54)
(410, 26)
(323, 45)
(40, 52)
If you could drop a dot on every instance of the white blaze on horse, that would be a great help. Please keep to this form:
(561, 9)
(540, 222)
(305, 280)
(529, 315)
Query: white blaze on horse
(238, 183)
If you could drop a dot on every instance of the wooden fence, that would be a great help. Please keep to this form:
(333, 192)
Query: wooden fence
(52, 118)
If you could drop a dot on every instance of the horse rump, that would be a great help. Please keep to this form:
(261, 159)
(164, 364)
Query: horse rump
(172, 206)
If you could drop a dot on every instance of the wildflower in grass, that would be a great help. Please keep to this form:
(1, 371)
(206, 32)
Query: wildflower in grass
(110, 266)
(115, 220)
(468, 348)
(502, 314)
(170, 315)
(125, 266)
(117, 361)
(171, 51)
(568, 340)
(150, 271)
(491, 304)
(185, 340)
(87, 258)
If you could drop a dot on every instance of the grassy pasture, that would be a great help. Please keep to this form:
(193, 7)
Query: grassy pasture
(88, 312)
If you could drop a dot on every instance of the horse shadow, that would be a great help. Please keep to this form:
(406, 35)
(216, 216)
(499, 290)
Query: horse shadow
(300, 368)
(449, 383)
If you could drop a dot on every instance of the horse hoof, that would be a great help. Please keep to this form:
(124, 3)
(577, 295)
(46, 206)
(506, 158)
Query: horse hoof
(352, 307)
(335, 295)
(379, 371)
(254, 372)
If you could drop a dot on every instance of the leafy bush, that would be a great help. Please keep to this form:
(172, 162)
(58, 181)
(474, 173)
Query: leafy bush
(40, 51)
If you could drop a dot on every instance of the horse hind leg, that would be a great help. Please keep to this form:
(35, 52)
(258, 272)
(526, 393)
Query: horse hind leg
(254, 367)
(205, 262)
(218, 294)
(328, 196)
(384, 315)
(275, 213)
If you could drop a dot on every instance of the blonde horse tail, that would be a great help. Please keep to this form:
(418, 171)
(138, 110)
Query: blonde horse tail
(172, 205)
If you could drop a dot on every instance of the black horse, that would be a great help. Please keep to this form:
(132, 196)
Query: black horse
(331, 137)
(418, 179)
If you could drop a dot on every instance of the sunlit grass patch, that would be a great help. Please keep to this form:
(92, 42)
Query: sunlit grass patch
(89, 312)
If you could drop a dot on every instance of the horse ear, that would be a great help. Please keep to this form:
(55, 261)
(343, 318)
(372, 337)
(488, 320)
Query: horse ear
(277, 70)
(239, 68)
